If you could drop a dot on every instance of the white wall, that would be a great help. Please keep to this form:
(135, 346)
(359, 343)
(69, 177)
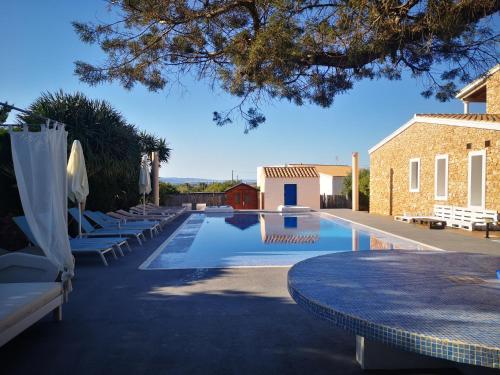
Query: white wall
(337, 185)
(325, 184)
(260, 174)
(308, 192)
(330, 185)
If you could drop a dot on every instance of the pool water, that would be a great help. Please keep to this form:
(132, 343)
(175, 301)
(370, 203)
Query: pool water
(264, 239)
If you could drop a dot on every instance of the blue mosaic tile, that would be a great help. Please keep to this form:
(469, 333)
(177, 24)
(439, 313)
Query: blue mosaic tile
(441, 304)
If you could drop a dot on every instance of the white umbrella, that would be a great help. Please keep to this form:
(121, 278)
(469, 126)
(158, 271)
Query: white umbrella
(78, 184)
(144, 180)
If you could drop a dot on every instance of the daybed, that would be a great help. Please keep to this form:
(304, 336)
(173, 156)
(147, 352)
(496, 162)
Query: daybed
(28, 292)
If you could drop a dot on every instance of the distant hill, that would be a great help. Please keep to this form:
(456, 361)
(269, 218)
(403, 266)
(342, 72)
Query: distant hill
(194, 180)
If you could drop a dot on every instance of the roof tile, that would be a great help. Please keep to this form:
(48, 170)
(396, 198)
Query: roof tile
(489, 117)
(290, 172)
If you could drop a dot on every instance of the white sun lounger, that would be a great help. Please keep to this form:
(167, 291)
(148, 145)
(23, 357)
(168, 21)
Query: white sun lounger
(28, 292)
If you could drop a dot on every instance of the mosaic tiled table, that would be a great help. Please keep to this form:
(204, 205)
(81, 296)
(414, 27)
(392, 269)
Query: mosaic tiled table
(440, 304)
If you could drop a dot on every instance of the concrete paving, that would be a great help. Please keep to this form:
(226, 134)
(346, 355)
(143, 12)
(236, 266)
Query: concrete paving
(448, 239)
(120, 320)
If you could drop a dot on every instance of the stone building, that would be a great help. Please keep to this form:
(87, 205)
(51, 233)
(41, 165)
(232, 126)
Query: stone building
(451, 159)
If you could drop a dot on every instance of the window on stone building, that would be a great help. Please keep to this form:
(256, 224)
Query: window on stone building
(441, 178)
(477, 178)
(414, 174)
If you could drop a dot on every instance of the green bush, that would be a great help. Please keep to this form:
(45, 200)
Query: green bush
(167, 189)
(203, 187)
(364, 188)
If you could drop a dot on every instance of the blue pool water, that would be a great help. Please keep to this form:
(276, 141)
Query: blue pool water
(263, 239)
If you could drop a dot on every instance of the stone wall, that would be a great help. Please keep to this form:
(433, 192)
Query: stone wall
(493, 93)
(389, 168)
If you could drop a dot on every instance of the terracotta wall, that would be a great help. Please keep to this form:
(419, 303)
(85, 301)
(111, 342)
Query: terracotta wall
(390, 195)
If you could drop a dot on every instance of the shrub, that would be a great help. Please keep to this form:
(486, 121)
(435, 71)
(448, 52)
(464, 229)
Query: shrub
(112, 148)
(167, 189)
(364, 188)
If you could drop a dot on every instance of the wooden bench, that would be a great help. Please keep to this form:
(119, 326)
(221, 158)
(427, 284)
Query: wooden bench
(454, 217)
(438, 220)
(469, 219)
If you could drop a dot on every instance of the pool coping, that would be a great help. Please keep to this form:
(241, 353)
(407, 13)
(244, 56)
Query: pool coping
(434, 248)
(144, 265)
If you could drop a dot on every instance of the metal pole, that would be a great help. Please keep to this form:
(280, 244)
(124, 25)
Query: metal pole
(26, 112)
(80, 220)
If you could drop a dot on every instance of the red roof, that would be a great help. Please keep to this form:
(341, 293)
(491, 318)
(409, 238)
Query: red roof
(240, 184)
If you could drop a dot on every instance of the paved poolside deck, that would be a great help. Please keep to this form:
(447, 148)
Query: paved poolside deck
(121, 320)
(448, 239)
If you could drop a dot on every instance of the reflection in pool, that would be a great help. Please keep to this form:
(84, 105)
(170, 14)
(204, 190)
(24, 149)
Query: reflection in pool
(263, 239)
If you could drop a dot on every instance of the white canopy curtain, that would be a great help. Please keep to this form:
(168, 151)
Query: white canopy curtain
(144, 180)
(40, 167)
(78, 184)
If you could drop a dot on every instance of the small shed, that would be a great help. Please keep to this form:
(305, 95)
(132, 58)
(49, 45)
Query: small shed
(292, 186)
(242, 196)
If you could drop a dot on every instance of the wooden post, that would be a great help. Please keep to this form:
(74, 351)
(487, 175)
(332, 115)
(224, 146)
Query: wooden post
(156, 178)
(355, 181)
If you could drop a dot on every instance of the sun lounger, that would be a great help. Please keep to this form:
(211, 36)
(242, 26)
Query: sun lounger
(120, 219)
(150, 207)
(90, 231)
(140, 211)
(131, 218)
(110, 223)
(99, 246)
(163, 218)
(28, 292)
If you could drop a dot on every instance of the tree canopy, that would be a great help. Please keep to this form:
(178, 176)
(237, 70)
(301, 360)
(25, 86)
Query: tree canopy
(112, 149)
(4, 114)
(364, 187)
(299, 50)
(203, 187)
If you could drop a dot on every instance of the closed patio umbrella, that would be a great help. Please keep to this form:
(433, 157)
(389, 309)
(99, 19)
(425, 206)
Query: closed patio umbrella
(78, 184)
(144, 180)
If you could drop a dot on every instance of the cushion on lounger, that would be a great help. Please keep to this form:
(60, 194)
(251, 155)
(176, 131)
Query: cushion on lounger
(18, 300)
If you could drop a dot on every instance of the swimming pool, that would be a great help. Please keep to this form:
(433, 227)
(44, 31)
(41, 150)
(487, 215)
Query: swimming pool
(264, 240)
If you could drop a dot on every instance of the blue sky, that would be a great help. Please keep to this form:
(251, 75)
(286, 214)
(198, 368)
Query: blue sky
(40, 47)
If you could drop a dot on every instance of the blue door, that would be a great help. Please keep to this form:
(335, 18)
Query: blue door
(290, 194)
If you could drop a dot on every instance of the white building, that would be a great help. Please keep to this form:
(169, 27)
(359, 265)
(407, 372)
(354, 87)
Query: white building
(331, 177)
(295, 186)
